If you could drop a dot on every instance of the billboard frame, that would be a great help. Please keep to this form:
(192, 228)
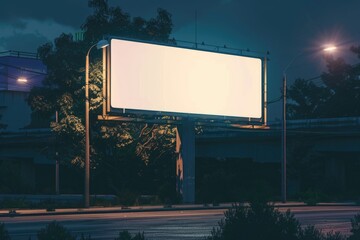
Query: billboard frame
(150, 115)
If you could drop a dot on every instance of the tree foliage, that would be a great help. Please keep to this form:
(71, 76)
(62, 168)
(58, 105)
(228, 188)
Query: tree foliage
(107, 20)
(113, 144)
(337, 96)
(307, 99)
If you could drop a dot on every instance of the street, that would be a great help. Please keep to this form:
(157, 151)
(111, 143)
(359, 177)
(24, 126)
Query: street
(188, 224)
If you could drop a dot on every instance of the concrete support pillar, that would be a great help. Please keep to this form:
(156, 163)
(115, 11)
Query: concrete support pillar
(185, 163)
(335, 170)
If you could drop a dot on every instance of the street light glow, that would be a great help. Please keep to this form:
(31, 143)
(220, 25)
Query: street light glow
(330, 48)
(22, 80)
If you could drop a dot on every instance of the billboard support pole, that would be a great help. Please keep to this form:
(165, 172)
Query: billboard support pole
(104, 87)
(185, 163)
(265, 92)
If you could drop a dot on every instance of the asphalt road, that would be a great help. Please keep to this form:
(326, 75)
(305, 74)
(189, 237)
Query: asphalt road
(189, 224)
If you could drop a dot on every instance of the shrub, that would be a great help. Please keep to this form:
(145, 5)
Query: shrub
(355, 228)
(335, 236)
(83, 237)
(125, 235)
(260, 221)
(311, 233)
(54, 231)
(4, 235)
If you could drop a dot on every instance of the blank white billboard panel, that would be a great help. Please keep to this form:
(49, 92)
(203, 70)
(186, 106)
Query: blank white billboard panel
(177, 80)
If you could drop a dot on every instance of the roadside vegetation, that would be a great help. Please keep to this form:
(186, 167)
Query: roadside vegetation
(257, 221)
(261, 221)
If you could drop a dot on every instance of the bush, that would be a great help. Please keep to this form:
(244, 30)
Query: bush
(335, 236)
(4, 235)
(125, 235)
(311, 233)
(355, 228)
(83, 237)
(54, 231)
(260, 221)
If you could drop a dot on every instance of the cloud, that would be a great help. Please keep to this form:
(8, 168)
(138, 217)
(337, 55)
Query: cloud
(65, 12)
(30, 34)
(18, 24)
(22, 42)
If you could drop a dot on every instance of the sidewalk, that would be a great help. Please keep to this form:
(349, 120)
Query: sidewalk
(97, 210)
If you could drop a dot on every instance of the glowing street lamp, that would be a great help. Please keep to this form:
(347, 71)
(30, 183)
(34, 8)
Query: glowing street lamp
(22, 80)
(101, 44)
(328, 49)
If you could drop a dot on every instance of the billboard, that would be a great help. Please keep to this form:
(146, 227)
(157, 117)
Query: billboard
(171, 80)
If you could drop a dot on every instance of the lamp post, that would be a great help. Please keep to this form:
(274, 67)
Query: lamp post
(329, 48)
(99, 45)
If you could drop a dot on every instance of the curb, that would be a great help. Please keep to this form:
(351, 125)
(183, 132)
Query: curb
(120, 210)
(43, 212)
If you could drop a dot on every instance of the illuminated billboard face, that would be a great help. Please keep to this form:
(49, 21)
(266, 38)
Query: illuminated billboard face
(177, 80)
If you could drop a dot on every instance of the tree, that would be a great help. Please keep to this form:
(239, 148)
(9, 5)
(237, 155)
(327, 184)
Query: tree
(338, 96)
(307, 99)
(112, 144)
(113, 21)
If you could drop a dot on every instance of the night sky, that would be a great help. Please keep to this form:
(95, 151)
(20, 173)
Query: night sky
(284, 28)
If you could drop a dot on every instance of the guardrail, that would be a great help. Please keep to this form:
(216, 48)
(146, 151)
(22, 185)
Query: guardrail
(19, 54)
(319, 123)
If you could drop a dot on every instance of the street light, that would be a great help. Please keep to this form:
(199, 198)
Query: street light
(99, 45)
(329, 48)
(22, 80)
